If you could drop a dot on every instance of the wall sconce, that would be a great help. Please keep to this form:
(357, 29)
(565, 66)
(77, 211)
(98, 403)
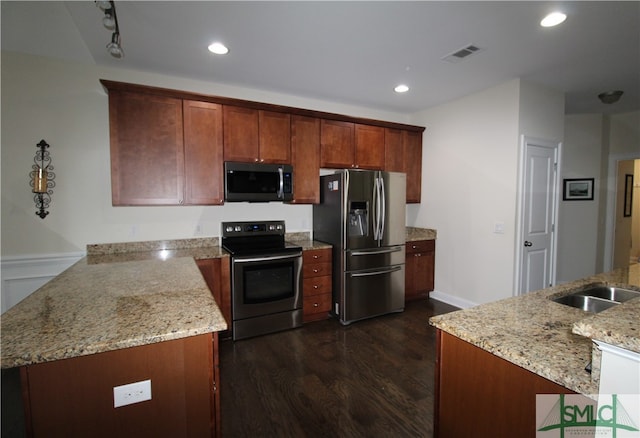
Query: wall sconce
(42, 179)
(110, 21)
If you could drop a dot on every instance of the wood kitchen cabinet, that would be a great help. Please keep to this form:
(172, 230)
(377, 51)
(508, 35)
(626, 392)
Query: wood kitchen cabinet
(346, 145)
(74, 397)
(147, 151)
(305, 159)
(217, 274)
(412, 142)
(403, 153)
(317, 284)
(419, 268)
(252, 135)
(394, 153)
(204, 183)
(166, 145)
(164, 150)
(478, 394)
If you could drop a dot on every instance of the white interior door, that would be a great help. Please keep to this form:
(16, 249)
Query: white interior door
(537, 237)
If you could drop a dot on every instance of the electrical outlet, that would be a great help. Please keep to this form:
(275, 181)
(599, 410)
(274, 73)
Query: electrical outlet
(198, 231)
(132, 393)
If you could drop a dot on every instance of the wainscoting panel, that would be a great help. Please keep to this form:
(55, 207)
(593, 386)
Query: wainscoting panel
(21, 276)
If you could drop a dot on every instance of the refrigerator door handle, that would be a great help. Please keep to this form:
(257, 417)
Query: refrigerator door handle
(374, 209)
(383, 201)
(379, 251)
(382, 272)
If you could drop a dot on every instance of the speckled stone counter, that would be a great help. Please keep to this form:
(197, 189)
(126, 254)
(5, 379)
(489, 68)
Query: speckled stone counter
(93, 308)
(550, 339)
(414, 233)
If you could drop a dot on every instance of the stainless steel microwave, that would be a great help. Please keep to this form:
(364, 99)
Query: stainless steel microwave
(257, 182)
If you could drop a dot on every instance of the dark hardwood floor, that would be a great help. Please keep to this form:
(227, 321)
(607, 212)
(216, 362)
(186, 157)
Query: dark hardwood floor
(371, 378)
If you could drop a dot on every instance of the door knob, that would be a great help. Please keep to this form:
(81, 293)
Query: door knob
(527, 243)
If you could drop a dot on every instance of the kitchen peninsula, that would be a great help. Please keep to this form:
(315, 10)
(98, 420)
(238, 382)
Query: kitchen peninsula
(113, 319)
(492, 359)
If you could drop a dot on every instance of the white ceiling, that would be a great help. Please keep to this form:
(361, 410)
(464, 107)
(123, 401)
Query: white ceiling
(354, 52)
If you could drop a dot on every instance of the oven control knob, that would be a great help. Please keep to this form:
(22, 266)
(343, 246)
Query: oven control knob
(229, 229)
(238, 228)
(279, 227)
(272, 227)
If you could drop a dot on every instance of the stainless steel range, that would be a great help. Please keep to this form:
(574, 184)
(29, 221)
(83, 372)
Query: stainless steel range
(266, 278)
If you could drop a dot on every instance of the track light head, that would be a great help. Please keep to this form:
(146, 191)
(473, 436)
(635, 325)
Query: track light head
(114, 47)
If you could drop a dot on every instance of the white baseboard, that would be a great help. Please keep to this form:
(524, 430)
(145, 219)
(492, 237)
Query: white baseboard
(23, 275)
(452, 299)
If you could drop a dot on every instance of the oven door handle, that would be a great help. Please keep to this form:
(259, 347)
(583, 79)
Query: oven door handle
(370, 273)
(266, 258)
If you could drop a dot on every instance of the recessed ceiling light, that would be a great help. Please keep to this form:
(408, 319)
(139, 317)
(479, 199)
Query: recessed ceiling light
(401, 88)
(553, 19)
(218, 48)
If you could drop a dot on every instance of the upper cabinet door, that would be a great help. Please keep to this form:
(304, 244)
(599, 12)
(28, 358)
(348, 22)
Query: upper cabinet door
(413, 164)
(305, 158)
(256, 136)
(147, 155)
(336, 144)
(241, 139)
(393, 150)
(275, 137)
(203, 160)
(369, 147)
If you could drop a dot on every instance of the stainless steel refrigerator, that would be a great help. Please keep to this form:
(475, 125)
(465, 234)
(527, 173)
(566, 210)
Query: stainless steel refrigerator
(362, 214)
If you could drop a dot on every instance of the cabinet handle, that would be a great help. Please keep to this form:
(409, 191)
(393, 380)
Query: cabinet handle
(316, 257)
(315, 286)
(414, 246)
(315, 271)
(315, 304)
(255, 160)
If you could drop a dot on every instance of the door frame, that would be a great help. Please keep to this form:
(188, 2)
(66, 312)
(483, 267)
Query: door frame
(520, 200)
(610, 215)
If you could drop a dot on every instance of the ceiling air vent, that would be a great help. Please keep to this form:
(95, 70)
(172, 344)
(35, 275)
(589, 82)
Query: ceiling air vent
(461, 54)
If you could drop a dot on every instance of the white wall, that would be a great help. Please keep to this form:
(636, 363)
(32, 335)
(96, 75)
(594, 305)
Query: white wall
(578, 220)
(65, 104)
(469, 179)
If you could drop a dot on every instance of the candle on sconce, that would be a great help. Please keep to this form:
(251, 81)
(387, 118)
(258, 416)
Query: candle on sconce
(40, 181)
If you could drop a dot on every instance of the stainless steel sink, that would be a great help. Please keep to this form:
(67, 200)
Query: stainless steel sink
(586, 303)
(597, 298)
(611, 293)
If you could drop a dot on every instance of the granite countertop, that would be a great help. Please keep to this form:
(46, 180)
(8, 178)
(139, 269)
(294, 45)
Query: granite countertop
(547, 338)
(414, 233)
(93, 308)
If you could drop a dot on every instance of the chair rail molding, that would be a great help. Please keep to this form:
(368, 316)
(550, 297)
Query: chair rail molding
(23, 275)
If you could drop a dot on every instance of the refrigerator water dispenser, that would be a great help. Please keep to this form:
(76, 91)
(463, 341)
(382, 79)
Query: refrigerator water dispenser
(358, 219)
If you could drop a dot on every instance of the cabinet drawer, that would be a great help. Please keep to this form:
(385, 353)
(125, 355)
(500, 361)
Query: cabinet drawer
(421, 246)
(317, 304)
(316, 256)
(316, 285)
(316, 269)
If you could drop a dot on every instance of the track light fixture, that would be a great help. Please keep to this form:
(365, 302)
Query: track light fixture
(110, 21)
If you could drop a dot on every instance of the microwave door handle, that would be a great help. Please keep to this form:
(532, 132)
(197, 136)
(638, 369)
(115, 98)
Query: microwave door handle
(281, 189)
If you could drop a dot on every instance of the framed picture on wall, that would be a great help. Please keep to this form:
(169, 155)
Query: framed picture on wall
(577, 189)
(628, 195)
